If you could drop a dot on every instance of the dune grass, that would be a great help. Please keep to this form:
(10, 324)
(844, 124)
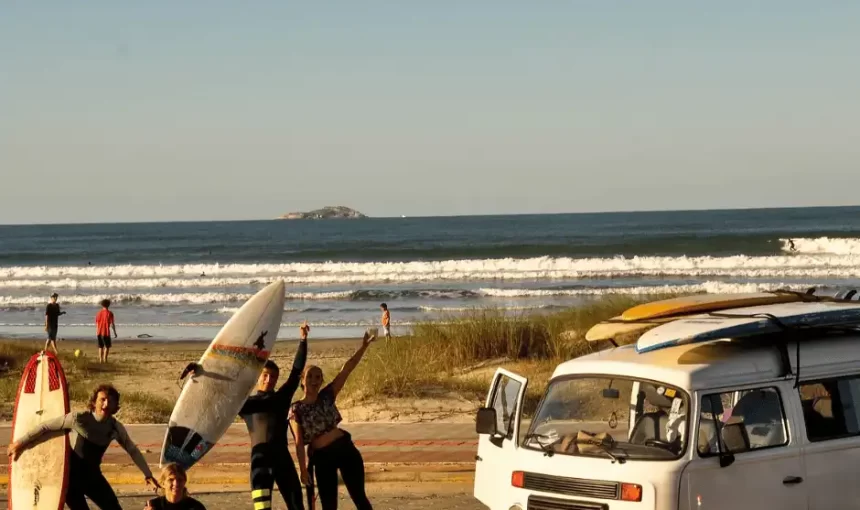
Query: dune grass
(459, 354)
(82, 374)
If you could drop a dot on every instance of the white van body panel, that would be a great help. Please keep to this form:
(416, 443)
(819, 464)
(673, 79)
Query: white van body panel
(826, 469)
(494, 462)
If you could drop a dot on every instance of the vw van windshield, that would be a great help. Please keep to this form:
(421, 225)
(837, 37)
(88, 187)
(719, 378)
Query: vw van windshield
(614, 417)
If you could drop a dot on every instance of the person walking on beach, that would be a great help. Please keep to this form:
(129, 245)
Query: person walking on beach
(52, 322)
(90, 434)
(386, 321)
(314, 420)
(265, 415)
(104, 323)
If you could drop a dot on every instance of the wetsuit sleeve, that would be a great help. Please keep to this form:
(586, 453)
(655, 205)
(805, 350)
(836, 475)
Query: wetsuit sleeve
(285, 393)
(129, 446)
(66, 422)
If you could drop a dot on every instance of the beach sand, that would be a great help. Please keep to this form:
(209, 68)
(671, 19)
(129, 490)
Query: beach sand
(146, 372)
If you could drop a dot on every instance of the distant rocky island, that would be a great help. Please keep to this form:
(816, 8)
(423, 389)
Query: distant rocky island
(326, 213)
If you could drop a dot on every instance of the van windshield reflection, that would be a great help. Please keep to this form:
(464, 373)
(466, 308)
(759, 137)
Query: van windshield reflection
(616, 418)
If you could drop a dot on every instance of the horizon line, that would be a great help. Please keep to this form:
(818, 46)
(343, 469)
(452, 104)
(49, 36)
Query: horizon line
(368, 217)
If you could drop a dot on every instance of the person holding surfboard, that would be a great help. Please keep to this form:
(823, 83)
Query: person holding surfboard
(265, 415)
(315, 420)
(91, 432)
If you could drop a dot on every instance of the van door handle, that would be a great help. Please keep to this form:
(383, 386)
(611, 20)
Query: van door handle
(788, 480)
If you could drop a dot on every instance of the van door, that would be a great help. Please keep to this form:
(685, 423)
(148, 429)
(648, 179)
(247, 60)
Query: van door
(495, 460)
(831, 415)
(760, 454)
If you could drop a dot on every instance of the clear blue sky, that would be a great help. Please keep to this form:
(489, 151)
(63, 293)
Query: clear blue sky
(162, 110)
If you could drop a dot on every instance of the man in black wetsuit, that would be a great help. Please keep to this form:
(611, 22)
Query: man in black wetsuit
(265, 415)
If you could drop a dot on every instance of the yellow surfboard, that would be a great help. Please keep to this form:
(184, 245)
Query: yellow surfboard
(611, 328)
(700, 303)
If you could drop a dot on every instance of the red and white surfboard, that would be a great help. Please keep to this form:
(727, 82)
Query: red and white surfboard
(38, 478)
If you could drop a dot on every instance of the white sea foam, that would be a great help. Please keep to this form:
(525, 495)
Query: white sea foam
(709, 287)
(226, 298)
(823, 245)
(799, 265)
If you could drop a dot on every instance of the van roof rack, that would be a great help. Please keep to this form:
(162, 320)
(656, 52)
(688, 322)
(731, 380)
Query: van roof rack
(793, 333)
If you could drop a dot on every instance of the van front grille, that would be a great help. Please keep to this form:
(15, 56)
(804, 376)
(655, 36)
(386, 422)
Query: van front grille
(541, 503)
(571, 486)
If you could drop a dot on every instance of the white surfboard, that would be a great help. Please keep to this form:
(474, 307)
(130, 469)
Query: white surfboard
(38, 478)
(748, 321)
(227, 372)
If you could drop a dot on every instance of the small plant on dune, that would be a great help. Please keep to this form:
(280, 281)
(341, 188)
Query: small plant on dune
(435, 351)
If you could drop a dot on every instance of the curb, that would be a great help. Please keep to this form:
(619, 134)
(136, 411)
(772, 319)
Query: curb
(376, 473)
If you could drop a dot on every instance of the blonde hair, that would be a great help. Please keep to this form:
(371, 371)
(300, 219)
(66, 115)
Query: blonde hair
(178, 472)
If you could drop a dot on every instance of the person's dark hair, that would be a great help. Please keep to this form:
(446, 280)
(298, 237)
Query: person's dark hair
(384, 306)
(271, 366)
(108, 389)
(106, 303)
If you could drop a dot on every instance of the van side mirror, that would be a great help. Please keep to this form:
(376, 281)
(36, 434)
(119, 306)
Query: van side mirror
(485, 422)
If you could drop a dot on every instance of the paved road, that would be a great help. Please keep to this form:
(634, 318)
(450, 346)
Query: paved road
(457, 497)
(378, 442)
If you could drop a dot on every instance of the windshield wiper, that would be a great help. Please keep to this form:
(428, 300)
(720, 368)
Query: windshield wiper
(548, 450)
(605, 448)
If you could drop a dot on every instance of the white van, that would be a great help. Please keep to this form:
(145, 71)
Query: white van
(623, 429)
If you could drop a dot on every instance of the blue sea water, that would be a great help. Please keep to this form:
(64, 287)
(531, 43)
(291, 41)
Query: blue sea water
(183, 280)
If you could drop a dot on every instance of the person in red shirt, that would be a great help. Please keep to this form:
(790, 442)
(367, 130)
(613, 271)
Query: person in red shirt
(104, 323)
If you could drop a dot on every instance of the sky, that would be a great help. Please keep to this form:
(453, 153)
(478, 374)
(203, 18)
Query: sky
(164, 110)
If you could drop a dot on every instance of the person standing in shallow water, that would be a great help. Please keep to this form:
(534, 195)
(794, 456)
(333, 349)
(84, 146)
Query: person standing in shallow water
(330, 449)
(386, 321)
(104, 322)
(52, 322)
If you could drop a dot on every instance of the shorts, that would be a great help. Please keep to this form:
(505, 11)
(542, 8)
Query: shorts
(104, 341)
(386, 330)
(52, 333)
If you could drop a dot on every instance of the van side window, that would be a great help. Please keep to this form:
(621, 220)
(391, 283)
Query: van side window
(831, 408)
(505, 404)
(748, 420)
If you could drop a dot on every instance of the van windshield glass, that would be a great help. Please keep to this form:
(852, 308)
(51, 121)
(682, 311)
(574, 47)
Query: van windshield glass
(616, 418)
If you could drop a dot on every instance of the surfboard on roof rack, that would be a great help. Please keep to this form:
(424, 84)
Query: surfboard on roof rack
(750, 321)
(701, 303)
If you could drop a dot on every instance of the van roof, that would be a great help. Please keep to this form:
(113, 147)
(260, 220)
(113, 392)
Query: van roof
(721, 363)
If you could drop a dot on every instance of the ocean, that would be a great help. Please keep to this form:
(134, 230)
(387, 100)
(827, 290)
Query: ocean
(184, 280)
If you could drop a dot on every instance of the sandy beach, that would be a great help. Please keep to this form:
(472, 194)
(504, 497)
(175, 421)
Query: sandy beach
(146, 373)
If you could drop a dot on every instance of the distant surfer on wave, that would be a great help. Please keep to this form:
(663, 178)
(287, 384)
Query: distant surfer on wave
(92, 432)
(265, 415)
(791, 245)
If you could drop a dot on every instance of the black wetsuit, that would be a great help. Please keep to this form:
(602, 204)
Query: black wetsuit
(187, 503)
(90, 438)
(265, 415)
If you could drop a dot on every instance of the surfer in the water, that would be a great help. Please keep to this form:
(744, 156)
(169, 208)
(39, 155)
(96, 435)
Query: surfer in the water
(330, 449)
(91, 432)
(265, 415)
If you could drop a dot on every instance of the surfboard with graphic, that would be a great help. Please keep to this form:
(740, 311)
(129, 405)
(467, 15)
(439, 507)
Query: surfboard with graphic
(38, 478)
(215, 391)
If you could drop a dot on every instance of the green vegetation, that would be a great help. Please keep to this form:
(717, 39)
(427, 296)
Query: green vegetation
(460, 354)
(82, 374)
